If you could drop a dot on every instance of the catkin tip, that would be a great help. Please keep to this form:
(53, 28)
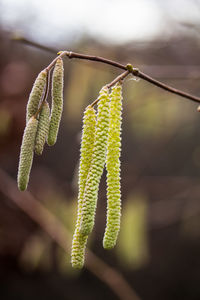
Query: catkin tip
(108, 246)
(26, 154)
(77, 266)
(22, 186)
(51, 141)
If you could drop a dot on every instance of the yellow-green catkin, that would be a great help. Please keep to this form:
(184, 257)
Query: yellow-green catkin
(26, 153)
(36, 94)
(113, 169)
(97, 164)
(57, 102)
(43, 128)
(87, 144)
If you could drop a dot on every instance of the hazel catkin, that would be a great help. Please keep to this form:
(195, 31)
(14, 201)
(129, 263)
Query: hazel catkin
(87, 145)
(97, 164)
(26, 153)
(57, 102)
(43, 128)
(113, 169)
(36, 94)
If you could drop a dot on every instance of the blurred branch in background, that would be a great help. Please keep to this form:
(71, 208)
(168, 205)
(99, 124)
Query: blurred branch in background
(54, 228)
(34, 44)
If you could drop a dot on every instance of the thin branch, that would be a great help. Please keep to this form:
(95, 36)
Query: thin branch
(23, 40)
(117, 79)
(71, 54)
(52, 64)
(136, 73)
(128, 67)
(109, 85)
(60, 234)
(168, 88)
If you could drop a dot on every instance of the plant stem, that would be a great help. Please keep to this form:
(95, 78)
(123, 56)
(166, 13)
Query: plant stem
(128, 67)
(48, 69)
(118, 78)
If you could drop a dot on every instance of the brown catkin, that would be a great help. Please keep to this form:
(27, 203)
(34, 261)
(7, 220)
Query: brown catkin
(43, 128)
(36, 94)
(26, 153)
(57, 102)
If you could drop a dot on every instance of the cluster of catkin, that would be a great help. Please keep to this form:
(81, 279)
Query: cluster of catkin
(100, 146)
(41, 124)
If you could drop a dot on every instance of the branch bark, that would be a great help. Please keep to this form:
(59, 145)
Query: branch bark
(133, 71)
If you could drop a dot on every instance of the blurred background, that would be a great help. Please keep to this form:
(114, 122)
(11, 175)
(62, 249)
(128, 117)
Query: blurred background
(157, 254)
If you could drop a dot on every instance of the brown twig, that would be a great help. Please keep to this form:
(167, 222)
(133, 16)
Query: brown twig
(52, 64)
(109, 85)
(168, 88)
(129, 67)
(71, 54)
(133, 71)
(136, 73)
(118, 78)
(59, 233)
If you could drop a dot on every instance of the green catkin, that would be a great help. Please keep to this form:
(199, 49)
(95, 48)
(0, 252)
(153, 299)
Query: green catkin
(87, 145)
(26, 153)
(97, 164)
(43, 128)
(57, 102)
(36, 94)
(113, 169)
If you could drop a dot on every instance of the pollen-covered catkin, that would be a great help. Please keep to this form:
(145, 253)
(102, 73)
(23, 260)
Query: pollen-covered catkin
(43, 128)
(57, 102)
(26, 153)
(87, 145)
(36, 94)
(97, 164)
(113, 169)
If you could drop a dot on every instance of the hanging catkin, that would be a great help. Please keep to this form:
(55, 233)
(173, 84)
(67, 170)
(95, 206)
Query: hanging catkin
(87, 145)
(57, 102)
(26, 153)
(113, 169)
(97, 164)
(36, 94)
(43, 128)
